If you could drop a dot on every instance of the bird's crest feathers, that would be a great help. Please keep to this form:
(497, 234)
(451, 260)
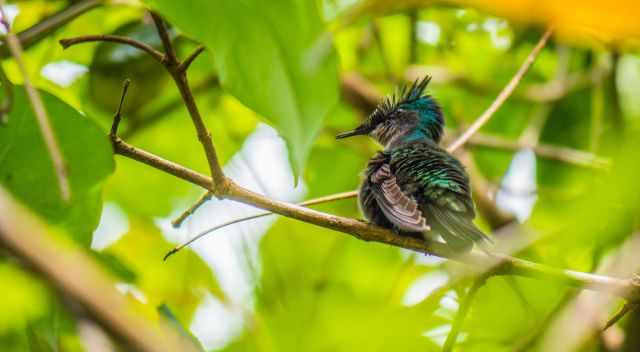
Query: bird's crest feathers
(405, 95)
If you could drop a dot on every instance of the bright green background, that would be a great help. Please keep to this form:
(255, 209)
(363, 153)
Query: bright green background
(281, 63)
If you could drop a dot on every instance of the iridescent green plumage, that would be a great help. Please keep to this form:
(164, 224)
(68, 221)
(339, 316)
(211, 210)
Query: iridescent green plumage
(415, 187)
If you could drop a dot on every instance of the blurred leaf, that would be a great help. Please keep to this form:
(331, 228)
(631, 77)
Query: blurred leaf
(24, 298)
(273, 56)
(113, 63)
(610, 22)
(180, 281)
(37, 342)
(116, 266)
(322, 292)
(166, 312)
(27, 171)
(590, 22)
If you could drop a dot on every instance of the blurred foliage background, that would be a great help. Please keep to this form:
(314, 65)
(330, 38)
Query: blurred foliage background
(277, 82)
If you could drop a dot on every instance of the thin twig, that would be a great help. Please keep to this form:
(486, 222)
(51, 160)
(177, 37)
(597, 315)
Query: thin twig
(39, 110)
(553, 152)
(628, 307)
(504, 94)
(42, 29)
(118, 115)
(163, 32)
(178, 221)
(184, 66)
(205, 197)
(165, 110)
(463, 310)
(158, 56)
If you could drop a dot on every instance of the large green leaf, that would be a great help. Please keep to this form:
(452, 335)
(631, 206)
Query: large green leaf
(27, 171)
(271, 55)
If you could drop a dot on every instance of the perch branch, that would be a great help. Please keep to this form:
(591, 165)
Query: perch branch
(498, 264)
(39, 110)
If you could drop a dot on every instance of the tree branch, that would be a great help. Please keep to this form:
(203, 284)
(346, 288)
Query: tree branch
(497, 264)
(628, 307)
(184, 66)
(205, 197)
(158, 56)
(563, 154)
(504, 94)
(153, 117)
(42, 29)
(180, 77)
(48, 135)
(77, 276)
(178, 221)
(176, 69)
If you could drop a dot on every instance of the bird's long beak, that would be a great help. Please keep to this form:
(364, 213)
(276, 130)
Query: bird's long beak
(356, 132)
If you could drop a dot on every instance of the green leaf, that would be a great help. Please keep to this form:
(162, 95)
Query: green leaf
(27, 172)
(271, 55)
(24, 298)
(166, 312)
(113, 63)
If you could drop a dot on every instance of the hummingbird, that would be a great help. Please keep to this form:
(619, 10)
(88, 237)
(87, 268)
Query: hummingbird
(413, 186)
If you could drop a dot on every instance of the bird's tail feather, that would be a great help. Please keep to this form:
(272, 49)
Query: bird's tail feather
(459, 233)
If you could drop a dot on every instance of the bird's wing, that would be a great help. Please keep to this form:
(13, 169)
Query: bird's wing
(445, 195)
(399, 208)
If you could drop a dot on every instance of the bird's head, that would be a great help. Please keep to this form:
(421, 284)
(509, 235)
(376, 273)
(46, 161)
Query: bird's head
(406, 116)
